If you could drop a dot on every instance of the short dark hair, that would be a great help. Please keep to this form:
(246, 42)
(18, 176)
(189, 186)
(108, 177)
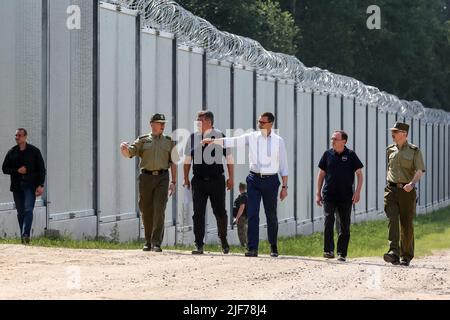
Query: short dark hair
(242, 186)
(344, 134)
(25, 132)
(207, 114)
(269, 116)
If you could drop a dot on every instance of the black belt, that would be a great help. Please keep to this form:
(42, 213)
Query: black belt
(262, 176)
(396, 185)
(154, 173)
(209, 178)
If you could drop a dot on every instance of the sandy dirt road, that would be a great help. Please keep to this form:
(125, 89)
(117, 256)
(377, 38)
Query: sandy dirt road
(29, 272)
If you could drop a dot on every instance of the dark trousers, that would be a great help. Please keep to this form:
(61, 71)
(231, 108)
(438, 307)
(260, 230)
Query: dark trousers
(266, 189)
(214, 189)
(153, 196)
(343, 211)
(24, 201)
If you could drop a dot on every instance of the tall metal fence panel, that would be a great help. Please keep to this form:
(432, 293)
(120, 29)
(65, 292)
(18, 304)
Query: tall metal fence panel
(285, 110)
(22, 82)
(117, 121)
(70, 120)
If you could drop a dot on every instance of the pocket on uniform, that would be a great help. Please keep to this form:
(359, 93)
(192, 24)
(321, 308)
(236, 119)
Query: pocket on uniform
(147, 145)
(406, 162)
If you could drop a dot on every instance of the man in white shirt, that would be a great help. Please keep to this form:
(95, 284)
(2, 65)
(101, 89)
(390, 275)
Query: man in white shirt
(268, 158)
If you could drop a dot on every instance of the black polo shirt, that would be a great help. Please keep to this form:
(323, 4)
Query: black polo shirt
(207, 159)
(340, 174)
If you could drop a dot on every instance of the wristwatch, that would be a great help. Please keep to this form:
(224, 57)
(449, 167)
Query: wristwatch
(412, 184)
(284, 187)
(174, 182)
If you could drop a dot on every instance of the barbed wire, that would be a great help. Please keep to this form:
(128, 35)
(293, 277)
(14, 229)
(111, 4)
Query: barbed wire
(193, 31)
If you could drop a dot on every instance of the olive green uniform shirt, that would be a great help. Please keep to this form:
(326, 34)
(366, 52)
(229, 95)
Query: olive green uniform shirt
(403, 162)
(155, 152)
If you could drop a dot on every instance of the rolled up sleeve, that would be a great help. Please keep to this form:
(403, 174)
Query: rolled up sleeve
(418, 161)
(284, 170)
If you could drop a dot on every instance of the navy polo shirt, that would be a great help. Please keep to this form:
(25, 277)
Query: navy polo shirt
(340, 174)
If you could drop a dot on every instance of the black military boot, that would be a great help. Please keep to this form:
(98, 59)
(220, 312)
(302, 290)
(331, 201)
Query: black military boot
(225, 246)
(198, 250)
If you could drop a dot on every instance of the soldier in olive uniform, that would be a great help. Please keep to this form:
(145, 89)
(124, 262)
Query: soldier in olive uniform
(405, 168)
(155, 150)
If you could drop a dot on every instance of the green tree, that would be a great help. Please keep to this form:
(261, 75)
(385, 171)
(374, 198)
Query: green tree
(409, 56)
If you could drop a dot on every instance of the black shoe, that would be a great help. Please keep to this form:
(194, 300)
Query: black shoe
(404, 262)
(225, 246)
(157, 248)
(147, 247)
(341, 258)
(26, 240)
(273, 251)
(251, 253)
(198, 250)
(391, 258)
(328, 255)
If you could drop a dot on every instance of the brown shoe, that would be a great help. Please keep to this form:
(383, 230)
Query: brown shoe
(391, 258)
(147, 247)
(157, 248)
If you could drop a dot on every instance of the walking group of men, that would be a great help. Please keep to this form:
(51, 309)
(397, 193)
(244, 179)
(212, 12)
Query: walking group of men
(205, 152)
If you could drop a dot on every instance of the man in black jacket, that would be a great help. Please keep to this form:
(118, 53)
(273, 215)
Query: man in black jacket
(25, 165)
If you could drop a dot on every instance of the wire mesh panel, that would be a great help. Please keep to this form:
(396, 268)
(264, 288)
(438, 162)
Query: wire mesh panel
(286, 125)
(428, 155)
(360, 149)
(156, 77)
(156, 69)
(219, 102)
(348, 121)
(381, 155)
(265, 95)
(265, 102)
(441, 150)
(117, 114)
(21, 80)
(305, 193)
(189, 102)
(321, 144)
(371, 161)
(335, 113)
(447, 161)
(435, 156)
(70, 112)
(244, 121)
(423, 147)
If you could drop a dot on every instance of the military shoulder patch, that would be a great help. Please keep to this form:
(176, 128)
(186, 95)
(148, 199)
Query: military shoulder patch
(414, 147)
(144, 136)
(390, 146)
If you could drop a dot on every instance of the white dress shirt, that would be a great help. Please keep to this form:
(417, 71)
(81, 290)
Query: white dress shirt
(267, 155)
